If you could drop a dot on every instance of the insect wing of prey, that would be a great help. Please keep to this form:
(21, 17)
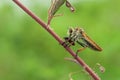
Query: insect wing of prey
(56, 4)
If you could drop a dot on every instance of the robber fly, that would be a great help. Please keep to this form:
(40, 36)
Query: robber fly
(79, 36)
(55, 5)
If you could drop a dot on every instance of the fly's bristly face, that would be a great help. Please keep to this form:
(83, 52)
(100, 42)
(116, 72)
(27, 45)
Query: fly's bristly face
(75, 33)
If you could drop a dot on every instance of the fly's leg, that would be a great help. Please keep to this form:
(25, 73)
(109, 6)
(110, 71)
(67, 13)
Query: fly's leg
(71, 43)
(67, 42)
(81, 49)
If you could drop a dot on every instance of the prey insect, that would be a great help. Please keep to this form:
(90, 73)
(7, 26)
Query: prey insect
(55, 5)
(77, 35)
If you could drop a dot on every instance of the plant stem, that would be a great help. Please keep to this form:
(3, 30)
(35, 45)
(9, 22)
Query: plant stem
(44, 25)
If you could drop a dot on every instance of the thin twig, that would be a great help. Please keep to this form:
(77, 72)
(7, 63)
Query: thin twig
(44, 25)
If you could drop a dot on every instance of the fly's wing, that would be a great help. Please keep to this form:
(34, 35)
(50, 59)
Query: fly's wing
(56, 4)
(82, 44)
(91, 44)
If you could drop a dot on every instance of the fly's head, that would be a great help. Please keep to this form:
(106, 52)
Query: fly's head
(70, 31)
(74, 31)
(79, 32)
(74, 34)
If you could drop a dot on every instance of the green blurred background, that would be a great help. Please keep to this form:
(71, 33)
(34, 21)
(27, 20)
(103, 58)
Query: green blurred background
(28, 52)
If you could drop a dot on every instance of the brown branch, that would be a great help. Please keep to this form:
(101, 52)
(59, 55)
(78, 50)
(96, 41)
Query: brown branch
(44, 25)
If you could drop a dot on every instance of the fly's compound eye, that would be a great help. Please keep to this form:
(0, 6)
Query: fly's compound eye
(70, 30)
(81, 30)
